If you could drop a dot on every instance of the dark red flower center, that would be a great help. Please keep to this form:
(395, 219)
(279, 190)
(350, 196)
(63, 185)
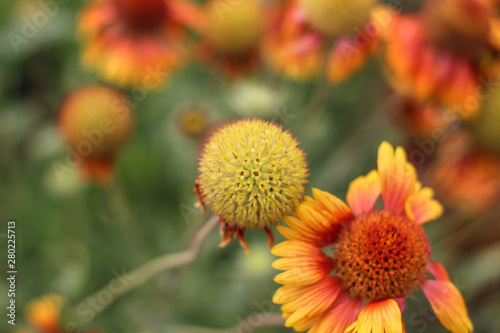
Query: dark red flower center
(381, 255)
(142, 16)
(460, 26)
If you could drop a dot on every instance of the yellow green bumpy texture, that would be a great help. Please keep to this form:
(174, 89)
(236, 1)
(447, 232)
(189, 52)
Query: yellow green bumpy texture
(252, 173)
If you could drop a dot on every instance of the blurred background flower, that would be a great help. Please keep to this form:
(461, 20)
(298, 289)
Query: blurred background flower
(420, 74)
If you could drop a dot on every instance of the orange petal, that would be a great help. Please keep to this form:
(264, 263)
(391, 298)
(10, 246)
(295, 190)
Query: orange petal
(421, 208)
(302, 262)
(339, 318)
(347, 57)
(363, 192)
(313, 301)
(494, 37)
(334, 205)
(293, 248)
(448, 305)
(397, 177)
(378, 316)
(314, 222)
(425, 74)
(438, 271)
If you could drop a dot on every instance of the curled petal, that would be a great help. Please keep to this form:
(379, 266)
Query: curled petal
(421, 208)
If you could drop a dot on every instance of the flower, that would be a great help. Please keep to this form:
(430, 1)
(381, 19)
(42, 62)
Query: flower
(466, 176)
(233, 33)
(192, 121)
(44, 313)
(136, 43)
(252, 173)
(349, 268)
(348, 14)
(441, 53)
(423, 120)
(95, 121)
(300, 32)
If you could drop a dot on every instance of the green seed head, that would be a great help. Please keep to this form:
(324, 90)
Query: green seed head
(252, 173)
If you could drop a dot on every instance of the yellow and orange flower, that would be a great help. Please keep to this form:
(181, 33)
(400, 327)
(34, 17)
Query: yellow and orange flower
(136, 43)
(466, 176)
(233, 34)
(95, 121)
(44, 313)
(349, 268)
(424, 120)
(300, 33)
(441, 53)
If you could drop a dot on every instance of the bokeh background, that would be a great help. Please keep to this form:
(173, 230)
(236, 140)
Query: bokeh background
(74, 236)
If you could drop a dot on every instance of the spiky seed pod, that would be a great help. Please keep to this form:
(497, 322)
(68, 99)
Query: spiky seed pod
(337, 17)
(95, 121)
(252, 173)
(235, 28)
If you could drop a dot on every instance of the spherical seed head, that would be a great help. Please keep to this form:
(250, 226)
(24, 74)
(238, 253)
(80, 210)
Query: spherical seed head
(487, 125)
(95, 121)
(381, 255)
(252, 173)
(337, 17)
(461, 26)
(235, 28)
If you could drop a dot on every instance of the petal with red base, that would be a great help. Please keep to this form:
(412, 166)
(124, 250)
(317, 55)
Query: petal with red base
(340, 317)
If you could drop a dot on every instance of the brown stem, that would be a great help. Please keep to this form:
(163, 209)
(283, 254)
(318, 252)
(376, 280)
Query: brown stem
(153, 267)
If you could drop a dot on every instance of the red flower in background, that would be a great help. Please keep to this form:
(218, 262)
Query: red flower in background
(132, 42)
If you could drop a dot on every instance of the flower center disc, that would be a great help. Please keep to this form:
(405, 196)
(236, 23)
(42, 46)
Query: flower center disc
(142, 16)
(381, 255)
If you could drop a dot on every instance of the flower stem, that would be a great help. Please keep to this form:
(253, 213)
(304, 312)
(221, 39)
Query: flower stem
(153, 267)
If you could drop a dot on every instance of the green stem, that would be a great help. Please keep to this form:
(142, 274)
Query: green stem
(153, 267)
